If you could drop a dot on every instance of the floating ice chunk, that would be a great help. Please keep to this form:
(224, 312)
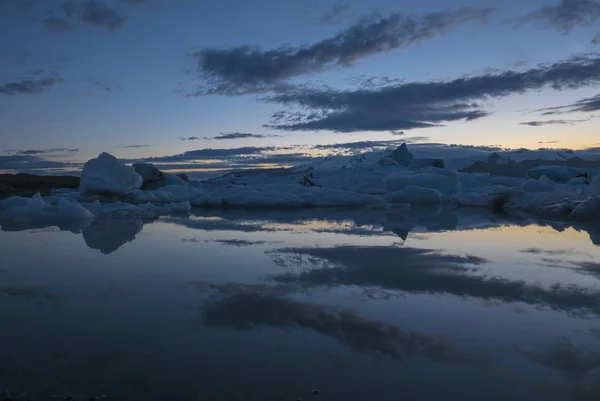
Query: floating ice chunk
(146, 209)
(472, 199)
(414, 194)
(444, 181)
(107, 175)
(37, 209)
(148, 171)
(543, 184)
(420, 163)
(557, 173)
(402, 155)
(13, 201)
(387, 161)
(594, 188)
(163, 210)
(587, 211)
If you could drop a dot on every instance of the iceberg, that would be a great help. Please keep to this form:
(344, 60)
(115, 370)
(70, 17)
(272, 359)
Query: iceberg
(37, 209)
(108, 176)
(377, 180)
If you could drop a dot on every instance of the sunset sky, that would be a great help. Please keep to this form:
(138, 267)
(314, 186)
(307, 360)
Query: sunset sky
(139, 78)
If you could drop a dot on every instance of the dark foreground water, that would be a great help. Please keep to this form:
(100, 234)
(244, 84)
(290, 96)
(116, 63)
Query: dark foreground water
(434, 305)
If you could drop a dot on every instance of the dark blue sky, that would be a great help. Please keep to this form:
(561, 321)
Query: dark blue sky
(103, 75)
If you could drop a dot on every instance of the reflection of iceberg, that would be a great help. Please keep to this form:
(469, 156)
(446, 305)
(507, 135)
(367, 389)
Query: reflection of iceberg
(33, 213)
(422, 271)
(108, 234)
(245, 307)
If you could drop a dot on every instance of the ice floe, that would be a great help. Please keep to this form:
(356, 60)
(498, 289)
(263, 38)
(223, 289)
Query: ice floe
(568, 187)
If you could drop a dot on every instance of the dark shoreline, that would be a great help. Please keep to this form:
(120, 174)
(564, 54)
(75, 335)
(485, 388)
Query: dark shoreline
(30, 184)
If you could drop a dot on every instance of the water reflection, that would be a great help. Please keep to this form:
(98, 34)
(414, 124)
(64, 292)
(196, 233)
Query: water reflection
(249, 307)
(422, 271)
(107, 233)
(578, 363)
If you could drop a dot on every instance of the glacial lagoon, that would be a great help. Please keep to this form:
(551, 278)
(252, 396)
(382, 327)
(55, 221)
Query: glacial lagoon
(327, 304)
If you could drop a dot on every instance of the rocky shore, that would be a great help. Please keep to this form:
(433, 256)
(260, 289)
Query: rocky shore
(29, 184)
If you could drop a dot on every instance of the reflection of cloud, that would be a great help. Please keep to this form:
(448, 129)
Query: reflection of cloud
(28, 292)
(217, 225)
(578, 364)
(423, 271)
(538, 251)
(107, 234)
(566, 357)
(245, 307)
(588, 268)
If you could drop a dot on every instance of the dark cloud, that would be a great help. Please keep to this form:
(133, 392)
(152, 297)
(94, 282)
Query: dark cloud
(248, 69)
(57, 24)
(250, 307)
(427, 104)
(334, 14)
(134, 146)
(547, 142)
(241, 135)
(397, 133)
(596, 40)
(45, 151)
(95, 13)
(237, 162)
(33, 163)
(106, 87)
(209, 154)
(240, 242)
(552, 122)
(189, 138)
(423, 271)
(35, 84)
(585, 105)
(366, 145)
(566, 15)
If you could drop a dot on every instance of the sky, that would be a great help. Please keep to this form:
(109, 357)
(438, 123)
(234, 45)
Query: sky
(166, 79)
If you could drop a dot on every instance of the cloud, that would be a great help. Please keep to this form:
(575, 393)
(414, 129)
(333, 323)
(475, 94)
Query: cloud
(397, 133)
(95, 14)
(45, 151)
(57, 24)
(240, 135)
(566, 15)
(552, 122)
(36, 84)
(426, 104)
(133, 146)
(585, 105)
(209, 154)
(189, 138)
(596, 40)
(334, 14)
(249, 69)
(108, 88)
(136, 1)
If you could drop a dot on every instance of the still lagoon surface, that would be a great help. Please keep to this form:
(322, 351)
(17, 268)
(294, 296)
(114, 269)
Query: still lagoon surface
(313, 305)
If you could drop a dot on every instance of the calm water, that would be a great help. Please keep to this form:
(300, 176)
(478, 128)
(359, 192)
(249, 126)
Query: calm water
(431, 305)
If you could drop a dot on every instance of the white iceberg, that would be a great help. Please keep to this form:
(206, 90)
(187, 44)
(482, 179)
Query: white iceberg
(37, 209)
(107, 175)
